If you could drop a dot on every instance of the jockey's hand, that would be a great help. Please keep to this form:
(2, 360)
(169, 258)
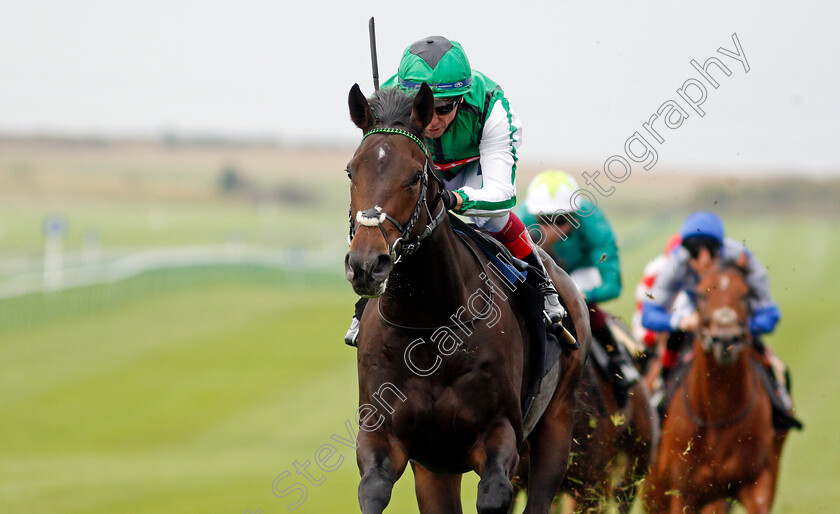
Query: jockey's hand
(452, 200)
(690, 322)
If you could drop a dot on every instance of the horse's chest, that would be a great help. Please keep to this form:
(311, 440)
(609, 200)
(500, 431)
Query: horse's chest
(438, 434)
(725, 459)
(458, 407)
(439, 424)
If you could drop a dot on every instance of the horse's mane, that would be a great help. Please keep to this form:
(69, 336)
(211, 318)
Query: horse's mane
(392, 106)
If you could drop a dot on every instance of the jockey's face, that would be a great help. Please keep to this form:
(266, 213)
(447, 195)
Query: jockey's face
(704, 262)
(555, 228)
(437, 127)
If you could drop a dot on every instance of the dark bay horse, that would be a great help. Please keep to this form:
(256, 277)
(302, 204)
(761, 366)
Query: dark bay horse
(443, 352)
(608, 439)
(718, 440)
(612, 447)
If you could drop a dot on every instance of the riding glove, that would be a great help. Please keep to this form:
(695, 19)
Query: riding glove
(450, 200)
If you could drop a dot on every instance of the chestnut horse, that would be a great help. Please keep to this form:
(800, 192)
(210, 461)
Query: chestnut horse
(443, 347)
(718, 440)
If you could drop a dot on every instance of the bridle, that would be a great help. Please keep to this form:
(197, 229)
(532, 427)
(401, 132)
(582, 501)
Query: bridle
(736, 342)
(376, 217)
(708, 341)
(725, 317)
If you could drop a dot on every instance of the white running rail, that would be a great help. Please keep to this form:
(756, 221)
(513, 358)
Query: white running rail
(26, 275)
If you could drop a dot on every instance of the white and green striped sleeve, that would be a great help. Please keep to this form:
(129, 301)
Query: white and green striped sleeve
(500, 140)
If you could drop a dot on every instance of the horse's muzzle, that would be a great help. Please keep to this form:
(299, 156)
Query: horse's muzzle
(367, 274)
(726, 346)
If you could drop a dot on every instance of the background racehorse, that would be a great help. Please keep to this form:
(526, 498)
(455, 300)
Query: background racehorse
(718, 440)
(612, 447)
(448, 400)
(608, 440)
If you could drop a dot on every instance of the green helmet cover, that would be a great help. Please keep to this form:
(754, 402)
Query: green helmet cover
(439, 62)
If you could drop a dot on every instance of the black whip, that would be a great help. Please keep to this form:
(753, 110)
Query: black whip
(374, 64)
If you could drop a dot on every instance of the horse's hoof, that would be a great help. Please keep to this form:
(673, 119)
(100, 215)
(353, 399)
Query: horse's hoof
(494, 496)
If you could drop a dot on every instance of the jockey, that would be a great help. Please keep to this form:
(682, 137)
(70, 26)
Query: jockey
(643, 291)
(583, 243)
(703, 248)
(473, 139)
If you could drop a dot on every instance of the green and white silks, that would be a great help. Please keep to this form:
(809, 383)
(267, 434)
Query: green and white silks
(485, 126)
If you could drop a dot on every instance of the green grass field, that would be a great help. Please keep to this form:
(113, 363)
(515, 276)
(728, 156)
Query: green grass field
(192, 390)
(174, 393)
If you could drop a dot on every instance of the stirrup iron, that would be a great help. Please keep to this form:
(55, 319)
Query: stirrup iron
(351, 338)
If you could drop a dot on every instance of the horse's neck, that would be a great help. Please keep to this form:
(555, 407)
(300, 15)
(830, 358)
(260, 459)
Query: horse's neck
(431, 284)
(717, 392)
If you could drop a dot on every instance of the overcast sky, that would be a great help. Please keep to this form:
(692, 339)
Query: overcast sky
(583, 76)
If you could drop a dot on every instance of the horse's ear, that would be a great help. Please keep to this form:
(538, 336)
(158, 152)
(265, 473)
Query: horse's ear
(360, 111)
(423, 108)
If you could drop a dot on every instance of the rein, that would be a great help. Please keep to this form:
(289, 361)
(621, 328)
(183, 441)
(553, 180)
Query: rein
(376, 217)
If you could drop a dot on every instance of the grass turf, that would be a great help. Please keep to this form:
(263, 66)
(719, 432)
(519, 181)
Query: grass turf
(173, 394)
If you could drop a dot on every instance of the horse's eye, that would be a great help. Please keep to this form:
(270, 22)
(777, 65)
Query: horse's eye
(416, 179)
(349, 175)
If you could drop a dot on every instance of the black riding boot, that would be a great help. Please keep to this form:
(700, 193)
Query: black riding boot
(647, 358)
(781, 402)
(351, 338)
(538, 278)
(621, 372)
(674, 346)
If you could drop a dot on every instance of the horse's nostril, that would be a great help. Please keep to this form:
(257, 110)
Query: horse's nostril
(381, 266)
(348, 268)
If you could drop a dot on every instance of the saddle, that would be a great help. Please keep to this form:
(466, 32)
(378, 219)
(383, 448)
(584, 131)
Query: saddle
(627, 347)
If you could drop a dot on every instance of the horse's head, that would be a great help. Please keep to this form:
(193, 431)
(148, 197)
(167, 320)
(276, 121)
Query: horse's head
(723, 305)
(389, 178)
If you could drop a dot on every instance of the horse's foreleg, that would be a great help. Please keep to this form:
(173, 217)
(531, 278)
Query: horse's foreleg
(719, 507)
(380, 464)
(679, 505)
(655, 487)
(757, 497)
(550, 443)
(495, 459)
(436, 493)
(551, 440)
(640, 443)
(675, 501)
